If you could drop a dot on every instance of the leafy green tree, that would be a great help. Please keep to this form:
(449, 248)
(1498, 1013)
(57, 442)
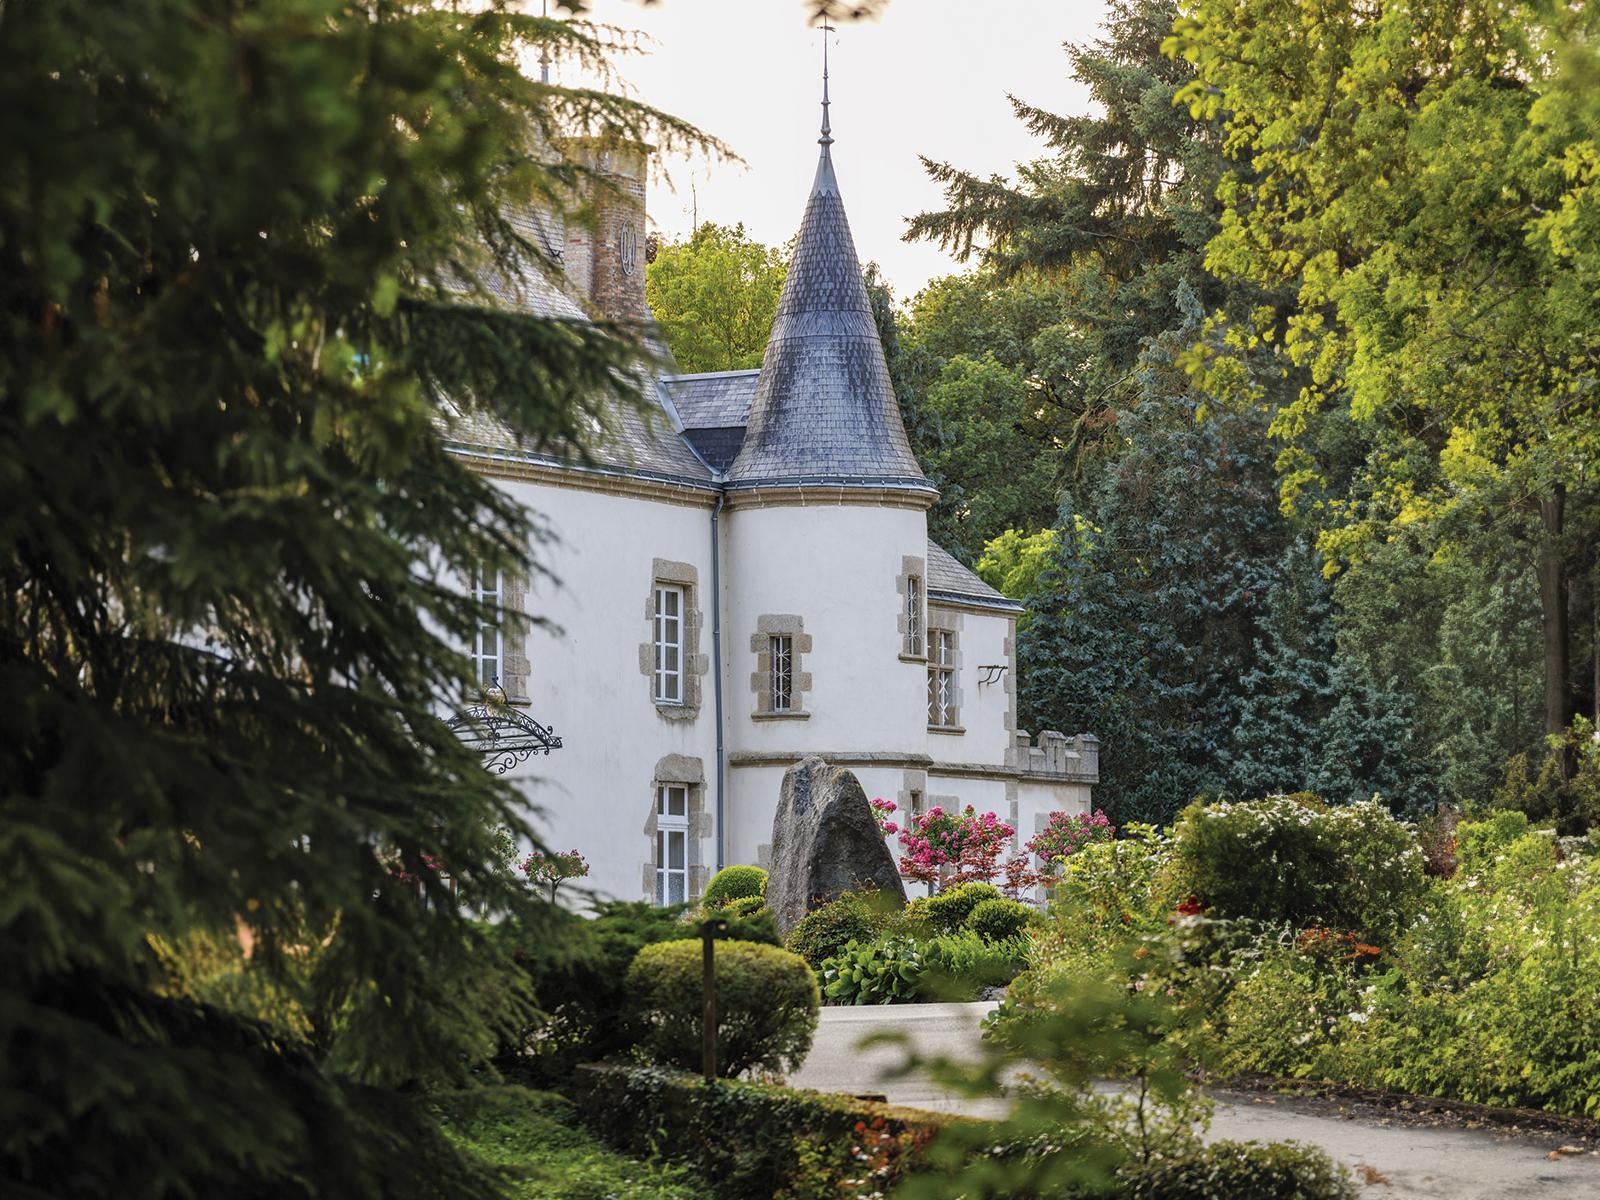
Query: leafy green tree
(1423, 180)
(714, 297)
(978, 449)
(244, 264)
(1013, 562)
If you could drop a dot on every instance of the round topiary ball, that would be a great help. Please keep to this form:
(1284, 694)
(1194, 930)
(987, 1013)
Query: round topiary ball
(948, 911)
(767, 1002)
(1000, 919)
(734, 883)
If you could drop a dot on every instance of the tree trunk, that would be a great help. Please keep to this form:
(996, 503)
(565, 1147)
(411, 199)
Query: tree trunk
(1553, 607)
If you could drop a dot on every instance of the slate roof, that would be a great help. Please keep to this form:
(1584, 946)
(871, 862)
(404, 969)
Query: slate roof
(641, 442)
(824, 409)
(948, 579)
(714, 400)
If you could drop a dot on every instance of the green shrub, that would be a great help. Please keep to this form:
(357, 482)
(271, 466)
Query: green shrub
(884, 972)
(948, 911)
(1572, 804)
(1295, 859)
(853, 917)
(1239, 1171)
(1000, 919)
(734, 883)
(748, 920)
(753, 1140)
(958, 966)
(745, 906)
(767, 1005)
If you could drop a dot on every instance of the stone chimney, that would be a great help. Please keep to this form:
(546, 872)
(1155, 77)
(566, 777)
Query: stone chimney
(604, 259)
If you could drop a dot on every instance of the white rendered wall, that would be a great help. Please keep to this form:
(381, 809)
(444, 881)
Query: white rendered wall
(596, 793)
(835, 567)
(980, 640)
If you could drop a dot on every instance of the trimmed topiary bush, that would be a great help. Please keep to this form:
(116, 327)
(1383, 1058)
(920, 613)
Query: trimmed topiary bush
(734, 883)
(767, 1002)
(1000, 919)
(744, 906)
(948, 911)
(853, 917)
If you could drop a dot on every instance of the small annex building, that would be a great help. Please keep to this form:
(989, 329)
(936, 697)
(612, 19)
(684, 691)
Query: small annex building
(742, 576)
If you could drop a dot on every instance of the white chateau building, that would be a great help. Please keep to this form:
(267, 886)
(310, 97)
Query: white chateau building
(743, 577)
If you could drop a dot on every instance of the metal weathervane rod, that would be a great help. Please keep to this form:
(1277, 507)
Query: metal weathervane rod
(827, 130)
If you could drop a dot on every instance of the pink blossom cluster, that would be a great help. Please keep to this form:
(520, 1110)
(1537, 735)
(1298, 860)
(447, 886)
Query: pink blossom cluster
(1067, 833)
(555, 868)
(882, 810)
(967, 843)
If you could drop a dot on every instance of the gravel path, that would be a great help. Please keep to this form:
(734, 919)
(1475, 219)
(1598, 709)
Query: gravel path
(1391, 1155)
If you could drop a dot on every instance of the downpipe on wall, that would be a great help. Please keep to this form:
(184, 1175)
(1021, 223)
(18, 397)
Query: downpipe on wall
(716, 661)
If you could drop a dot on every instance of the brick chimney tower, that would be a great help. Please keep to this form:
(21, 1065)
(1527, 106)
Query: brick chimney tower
(604, 258)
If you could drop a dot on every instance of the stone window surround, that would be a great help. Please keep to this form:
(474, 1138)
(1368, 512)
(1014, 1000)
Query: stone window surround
(912, 567)
(950, 622)
(913, 786)
(788, 625)
(695, 664)
(679, 770)
(514, 665)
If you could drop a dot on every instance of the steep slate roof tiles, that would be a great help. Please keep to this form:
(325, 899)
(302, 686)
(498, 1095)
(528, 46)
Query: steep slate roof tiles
(948, 579)
(824, 409)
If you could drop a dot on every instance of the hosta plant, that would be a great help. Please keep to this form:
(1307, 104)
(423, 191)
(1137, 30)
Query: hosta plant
(883, 972)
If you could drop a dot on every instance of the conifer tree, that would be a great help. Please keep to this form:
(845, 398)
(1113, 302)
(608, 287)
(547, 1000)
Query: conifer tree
(250, 261)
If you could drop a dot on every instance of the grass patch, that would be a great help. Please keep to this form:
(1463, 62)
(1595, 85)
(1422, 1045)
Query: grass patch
(536, 1141)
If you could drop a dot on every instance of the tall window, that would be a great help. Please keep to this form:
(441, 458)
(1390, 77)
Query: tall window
(669, 644)
(913, 616)
(941, 677)
(672, 844)
(782, 672)
(488, 647)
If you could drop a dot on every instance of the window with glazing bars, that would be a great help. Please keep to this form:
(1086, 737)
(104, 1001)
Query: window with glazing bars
(913, 616)
(941, 677)
(487, 644)
(669, 644)
(782, 672)
(672, 844)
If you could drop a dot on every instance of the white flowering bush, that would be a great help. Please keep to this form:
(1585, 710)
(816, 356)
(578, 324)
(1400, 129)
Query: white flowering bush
(1295, 860)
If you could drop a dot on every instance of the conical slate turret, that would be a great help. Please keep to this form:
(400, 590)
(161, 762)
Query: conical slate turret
(824, 410)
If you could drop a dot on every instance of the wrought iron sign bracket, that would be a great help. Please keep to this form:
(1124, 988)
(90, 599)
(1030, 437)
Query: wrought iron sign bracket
(504, 736)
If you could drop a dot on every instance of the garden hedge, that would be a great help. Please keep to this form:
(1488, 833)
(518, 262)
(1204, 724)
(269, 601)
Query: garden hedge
(767, 1002)
(750, 1139)
(756, 1140)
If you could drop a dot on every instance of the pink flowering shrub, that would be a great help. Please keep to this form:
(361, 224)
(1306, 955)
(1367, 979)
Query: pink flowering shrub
(1065, 835)
(555, 868)
(967, 843)
(882, 810)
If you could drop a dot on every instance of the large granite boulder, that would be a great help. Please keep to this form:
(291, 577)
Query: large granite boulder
(825, 842)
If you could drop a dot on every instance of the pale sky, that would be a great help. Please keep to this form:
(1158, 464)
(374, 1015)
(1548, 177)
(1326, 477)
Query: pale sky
(929, 77)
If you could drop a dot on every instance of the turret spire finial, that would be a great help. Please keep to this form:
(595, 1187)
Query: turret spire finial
(826, 139)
